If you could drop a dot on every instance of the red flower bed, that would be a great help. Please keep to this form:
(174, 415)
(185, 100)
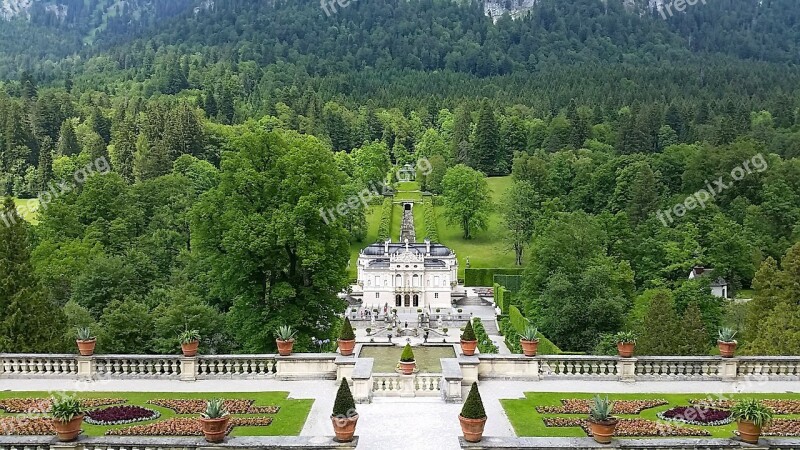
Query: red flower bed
(583, 406)
(197, 406)
(119, 415)
(630, 427)
(42, 405)
(777, 406)
(185, 427)
(697, 415)
(26, 426)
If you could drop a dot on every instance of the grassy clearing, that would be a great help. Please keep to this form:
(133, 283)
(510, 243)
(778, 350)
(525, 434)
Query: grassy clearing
(28, 209)
(287, 422)
(528, 422)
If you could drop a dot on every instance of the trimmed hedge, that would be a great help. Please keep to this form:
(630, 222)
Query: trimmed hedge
(430, 220)
(500, 298)
(515, 324)
(518, 321)
(385, 228)
(512, 283)
(485, 277)
(485, 345)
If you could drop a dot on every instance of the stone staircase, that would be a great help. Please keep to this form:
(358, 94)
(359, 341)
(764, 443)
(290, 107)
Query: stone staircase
(472, 301)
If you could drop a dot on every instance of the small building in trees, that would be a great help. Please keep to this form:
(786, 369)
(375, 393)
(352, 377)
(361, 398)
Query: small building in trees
(719, 286)
(418, 276)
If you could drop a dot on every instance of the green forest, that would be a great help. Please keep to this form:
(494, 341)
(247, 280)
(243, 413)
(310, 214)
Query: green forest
(181, 152)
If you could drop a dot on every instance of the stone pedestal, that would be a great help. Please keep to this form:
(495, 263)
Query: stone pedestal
(469, 369)
(728, 368)
(189, 369)
(86, 368)
(407, 385)
(626, 369)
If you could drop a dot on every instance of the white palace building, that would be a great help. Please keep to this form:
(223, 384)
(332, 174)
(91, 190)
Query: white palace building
(420, 275)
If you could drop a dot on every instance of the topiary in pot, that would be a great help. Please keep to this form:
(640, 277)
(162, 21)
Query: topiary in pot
(601, 422)
(473, 416)
(67, 415)
(407, 361)
(347, 339)
(214, 421)
(751, 416)
(344, 416)
(468, 340)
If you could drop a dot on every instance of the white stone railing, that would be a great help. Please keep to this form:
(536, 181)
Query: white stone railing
(772, 367)
(445, 385)
(397, 385)
(678, 368)
(172, 443)
(295, 367)
(571, 367)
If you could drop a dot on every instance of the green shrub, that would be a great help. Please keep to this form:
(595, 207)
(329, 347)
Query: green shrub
(430, 220)
(215, 409)
(347, 333)
(344, 405)
(499, 298)
(385, 227)
(469, 333)
(601, 409)
(512, 283)
(484, 277)
(473, 406)
(407, 355)
(517, 319)
(189, 336)
(65, 409)
(751, 410)
(485, 345)
(546, 347)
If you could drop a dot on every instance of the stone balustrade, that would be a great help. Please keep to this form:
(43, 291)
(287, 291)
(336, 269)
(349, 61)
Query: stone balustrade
(173, 443)
(553, 443)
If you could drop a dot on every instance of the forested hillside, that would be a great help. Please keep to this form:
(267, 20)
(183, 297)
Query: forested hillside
(225, 126)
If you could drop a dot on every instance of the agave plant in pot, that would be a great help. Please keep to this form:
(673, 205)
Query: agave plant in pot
(285, 339)
(344, 416)
(86, 342)
(601, 422)
(214, 420)
(726, 342)
(626, 343)
(468, 340)
(407, 361)
(473, 416)
(190, 341)
(529, 340)
(347, 339)
(67, 415)
(751, 416)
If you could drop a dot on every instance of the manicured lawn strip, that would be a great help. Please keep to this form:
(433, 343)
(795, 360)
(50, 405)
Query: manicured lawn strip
(288, 421)
(419, 221)
(397, 222)
(373, 223)
(528, 422)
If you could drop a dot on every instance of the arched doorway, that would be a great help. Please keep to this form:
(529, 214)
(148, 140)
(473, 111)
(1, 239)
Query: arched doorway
(416, 300)
(397, 300)
(408, 301)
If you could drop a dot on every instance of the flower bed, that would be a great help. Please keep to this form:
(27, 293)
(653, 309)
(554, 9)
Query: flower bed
(26, 426)
(782, 427)
(697, 415)
(42, 405)
(184, 427)
(777, 406)
(630, 427)
(120, 415)
(192, 406)
(583, 406)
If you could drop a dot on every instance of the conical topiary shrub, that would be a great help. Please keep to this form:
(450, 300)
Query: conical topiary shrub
(347, 339)
(468, 340)
(344, 416)
(407, 361)
(473, 416)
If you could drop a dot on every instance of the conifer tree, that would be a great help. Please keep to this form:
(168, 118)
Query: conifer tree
(694, 338)
(660, 329)
(67, 141)
(487, 141)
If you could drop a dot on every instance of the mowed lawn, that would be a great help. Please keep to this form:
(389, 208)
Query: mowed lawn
(528, 422)
(486, 248)
(288, 421)
(28, 209)
(373, 223)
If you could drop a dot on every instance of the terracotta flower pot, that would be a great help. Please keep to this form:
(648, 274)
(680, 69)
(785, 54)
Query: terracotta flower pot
(215, 429)
(726, 349)
(344, 427)
(472, 429)
(68, 431)
(468, 347)
(408, 367)
(603, 432)
(86, 348)
(346, 347)
(625, 349)
(285, 347)
(190, 349)
(529, 348)
(748, 431)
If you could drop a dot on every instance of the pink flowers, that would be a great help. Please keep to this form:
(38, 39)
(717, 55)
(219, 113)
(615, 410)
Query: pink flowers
(582, 406)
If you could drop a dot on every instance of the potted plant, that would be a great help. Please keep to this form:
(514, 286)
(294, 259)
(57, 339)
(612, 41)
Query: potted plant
(215, 421)
(344, 417)
(473, 416)
(419, 310)
(468, 340)
(407, 362)
(444, 330)
(86, 342)
(190, 341)
(750, 416)
(726, 342)
(369, 330)
(601, 422)
(626, 343)
(529, 340)
(347, 339)
(460, 310)
(67, 415)
(285, 339)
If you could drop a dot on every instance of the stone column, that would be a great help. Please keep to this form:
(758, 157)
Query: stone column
(451, 380)
(189, 368)
(362, 380)
(626, 369)
(407, 385)
(86, 368)
(728, 368)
